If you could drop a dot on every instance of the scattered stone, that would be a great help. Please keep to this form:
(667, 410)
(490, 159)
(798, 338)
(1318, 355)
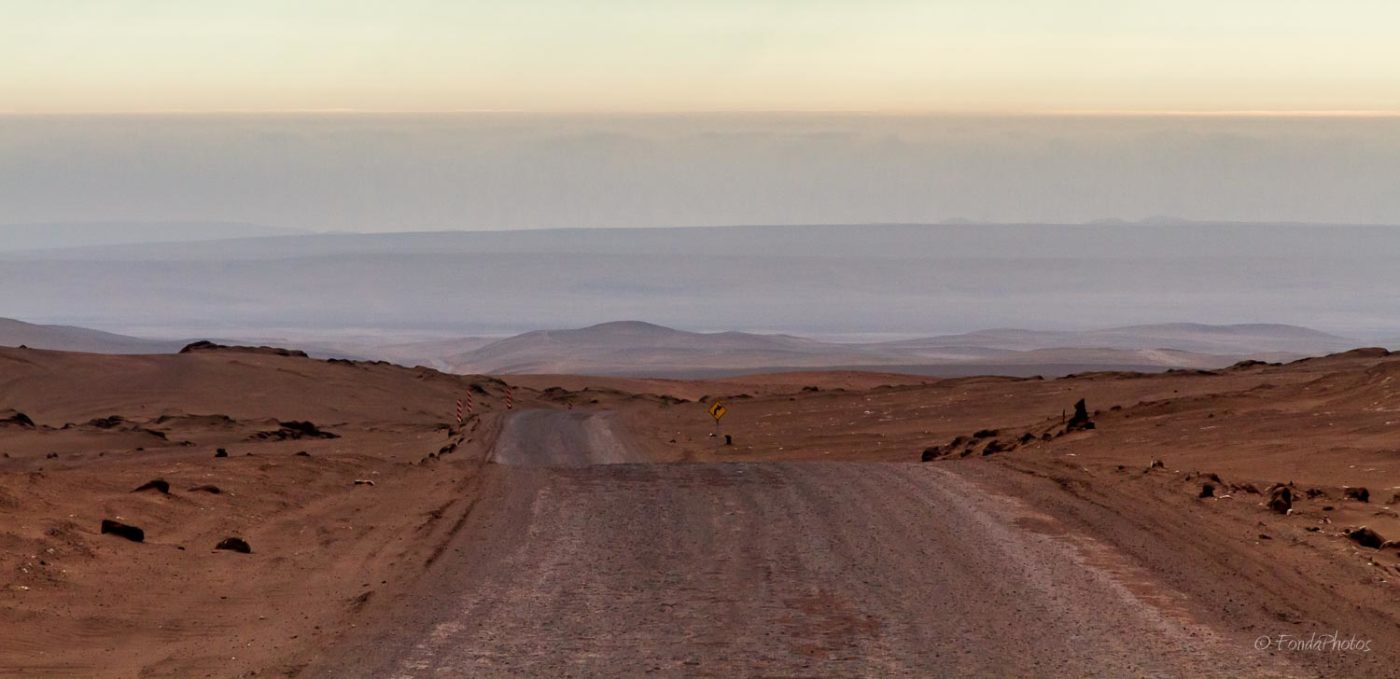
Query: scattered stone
(1264, 536)
(1394, 499)
(234, 544)
(1327, 508)
(1359, 494)
(1156, 464)
(1365, 537)
(984, 433)
(1245, 488)
(930, 454)
(122, 530)
(993, 447)
(1281, 499)
(364, 482)
(1207, 490)
(1314, 493)
(207, 488)
(302, 453)
(1027, 438)
(160, 485)
(221, 453)
(51, 456)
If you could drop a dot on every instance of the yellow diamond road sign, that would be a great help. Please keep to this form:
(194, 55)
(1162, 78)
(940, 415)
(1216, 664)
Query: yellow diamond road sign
(717, 411)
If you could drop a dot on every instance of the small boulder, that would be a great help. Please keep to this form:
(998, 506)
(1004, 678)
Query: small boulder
(207, 488)
(930, 454)
(1280, 499)
(221, 453)
(1207, 490)
(1365, 537)
(364, 482)
(1359, 494)
(122, 530)
(159, 485)
(994, 446)
(234, 544)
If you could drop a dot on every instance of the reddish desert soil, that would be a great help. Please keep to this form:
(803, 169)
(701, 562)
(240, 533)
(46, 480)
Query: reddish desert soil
(817, 544)
(325, 551)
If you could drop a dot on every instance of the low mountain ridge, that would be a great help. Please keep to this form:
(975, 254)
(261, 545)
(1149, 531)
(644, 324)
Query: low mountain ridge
(15, 333)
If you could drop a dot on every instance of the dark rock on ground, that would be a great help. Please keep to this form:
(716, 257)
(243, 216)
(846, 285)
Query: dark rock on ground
(1280, 499)
(160, 485)
(205, 345)
(1365, 537)
(295, 430)
(1358, 494)
(1207, 490)
(207, 488)
(930, 454)
(15, 418)
(122, 530)
(1080, 420)
(234, 544)
(221, 453)
(109, 422)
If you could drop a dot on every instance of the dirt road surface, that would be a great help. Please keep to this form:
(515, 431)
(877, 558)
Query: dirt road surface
(789, 568)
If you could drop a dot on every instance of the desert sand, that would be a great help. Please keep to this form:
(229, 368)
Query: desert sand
(818, 543)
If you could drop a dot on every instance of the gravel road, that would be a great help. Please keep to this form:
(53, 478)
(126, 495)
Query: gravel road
(572, 567)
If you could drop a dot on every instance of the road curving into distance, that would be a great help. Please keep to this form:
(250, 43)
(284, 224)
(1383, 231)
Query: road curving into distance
(582, 560)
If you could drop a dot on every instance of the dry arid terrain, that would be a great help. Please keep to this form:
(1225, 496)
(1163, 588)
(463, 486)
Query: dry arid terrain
(859, 523)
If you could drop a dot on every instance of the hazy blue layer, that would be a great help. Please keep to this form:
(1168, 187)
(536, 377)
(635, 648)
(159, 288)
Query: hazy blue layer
(913, 280)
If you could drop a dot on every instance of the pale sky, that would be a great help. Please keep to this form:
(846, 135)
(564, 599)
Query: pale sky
(986, 56)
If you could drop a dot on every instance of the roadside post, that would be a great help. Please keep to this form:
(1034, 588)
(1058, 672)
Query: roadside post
(718, 410)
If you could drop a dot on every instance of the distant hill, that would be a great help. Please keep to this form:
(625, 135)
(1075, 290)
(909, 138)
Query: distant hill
(20, 237)
(634, 348)
(1192, 337)
(15, 333)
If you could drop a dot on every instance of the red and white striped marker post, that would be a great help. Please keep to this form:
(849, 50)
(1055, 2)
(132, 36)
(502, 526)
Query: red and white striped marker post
(510, 398)
(459, 412)
(471, 404)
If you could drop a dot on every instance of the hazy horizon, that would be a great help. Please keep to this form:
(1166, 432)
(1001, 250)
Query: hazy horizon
(505, 171)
